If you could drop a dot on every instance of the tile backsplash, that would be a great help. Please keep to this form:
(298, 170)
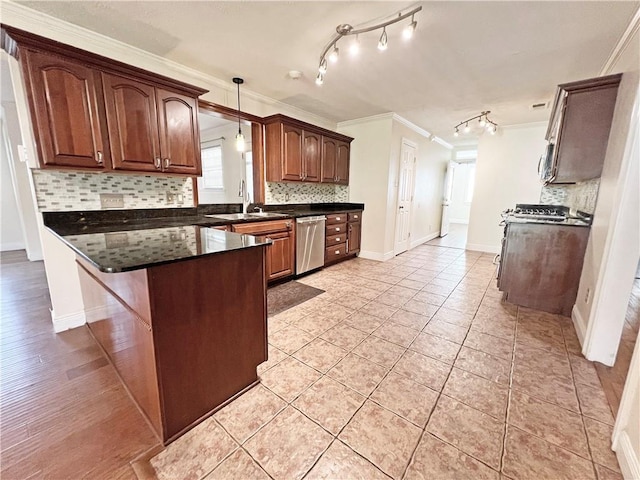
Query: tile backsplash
(58, 191)
(278, 193)
(580, 196)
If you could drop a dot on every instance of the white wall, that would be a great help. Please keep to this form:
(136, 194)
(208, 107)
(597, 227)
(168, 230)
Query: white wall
(506, 174)
(369, 180)
(233, 165)
(431, 165)
(460, 208)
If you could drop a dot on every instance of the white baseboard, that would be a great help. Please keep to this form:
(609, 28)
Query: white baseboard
(579, 324)
(10, 246)
(378, 257)
(627, 458)
(477, 247)
(69, 321)
(422, 240)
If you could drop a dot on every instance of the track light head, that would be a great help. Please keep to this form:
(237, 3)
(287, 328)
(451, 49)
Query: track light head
(382, 43)
(323, 66)
(408, 31)
(335, 53)
(320, 79)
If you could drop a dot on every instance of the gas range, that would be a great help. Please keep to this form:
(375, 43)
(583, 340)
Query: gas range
(545, 213)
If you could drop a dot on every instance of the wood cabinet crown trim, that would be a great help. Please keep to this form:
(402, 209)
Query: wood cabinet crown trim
(13, 39)
(279, 118)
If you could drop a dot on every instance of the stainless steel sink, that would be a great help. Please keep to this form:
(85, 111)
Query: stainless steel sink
(245, 216)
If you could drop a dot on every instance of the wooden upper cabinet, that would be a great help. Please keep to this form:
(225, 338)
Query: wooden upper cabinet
(342, 163)
(291, 153)
(311, 155)
(92, 112)
(132, 121)
(64, 107)
(329, 159)
(298, 151)
(579, 129)
(179, 134)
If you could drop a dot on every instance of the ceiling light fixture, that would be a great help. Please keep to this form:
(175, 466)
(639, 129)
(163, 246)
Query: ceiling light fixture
(344, 30)
(240, 144)
(382, 43)
(483, 122)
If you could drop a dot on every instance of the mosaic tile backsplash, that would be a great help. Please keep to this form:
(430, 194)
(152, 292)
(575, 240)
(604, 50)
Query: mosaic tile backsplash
(58, 191)
(276, 193)
(580, 196)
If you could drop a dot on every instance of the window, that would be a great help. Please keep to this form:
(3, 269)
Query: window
(212, 176)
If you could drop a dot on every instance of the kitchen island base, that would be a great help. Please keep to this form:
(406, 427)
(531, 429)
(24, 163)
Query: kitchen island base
(185, 337)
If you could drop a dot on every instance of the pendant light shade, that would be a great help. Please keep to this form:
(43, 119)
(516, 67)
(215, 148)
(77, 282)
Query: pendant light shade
(240, 143)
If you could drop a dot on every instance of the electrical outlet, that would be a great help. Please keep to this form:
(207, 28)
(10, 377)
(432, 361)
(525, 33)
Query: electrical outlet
(175, 198)
(111, 200)
(587, 295)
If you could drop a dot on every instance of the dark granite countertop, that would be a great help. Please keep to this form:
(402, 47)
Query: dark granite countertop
(124, 240)
(122, 251)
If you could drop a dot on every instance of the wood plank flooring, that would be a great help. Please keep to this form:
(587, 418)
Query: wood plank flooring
(613, 378)
(64, 412)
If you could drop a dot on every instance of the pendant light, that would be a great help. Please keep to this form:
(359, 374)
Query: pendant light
(240, 144)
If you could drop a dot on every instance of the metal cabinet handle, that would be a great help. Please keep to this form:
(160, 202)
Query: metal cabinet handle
(289, 224)
(167, 162)
(337, 239)
(337, 218)
(337, 252)
(158, 163)
(99, 157)
(355, 216)
(337, 229)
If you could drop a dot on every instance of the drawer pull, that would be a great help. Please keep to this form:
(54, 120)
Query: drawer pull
(337, 239)
(337, 229)
(355, 216)
(337, 252)
(338, 218)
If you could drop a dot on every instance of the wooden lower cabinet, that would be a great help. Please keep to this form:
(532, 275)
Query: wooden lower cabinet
(185, 337)
(342, 236)
(281, 254)
(540, 265)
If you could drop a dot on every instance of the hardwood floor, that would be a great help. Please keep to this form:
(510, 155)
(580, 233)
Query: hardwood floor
(65, 413)
(613, 378)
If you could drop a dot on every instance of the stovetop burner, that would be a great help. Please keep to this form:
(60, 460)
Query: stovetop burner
(543, 212)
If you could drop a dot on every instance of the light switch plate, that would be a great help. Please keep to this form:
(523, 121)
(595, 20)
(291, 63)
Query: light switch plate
(111, 200)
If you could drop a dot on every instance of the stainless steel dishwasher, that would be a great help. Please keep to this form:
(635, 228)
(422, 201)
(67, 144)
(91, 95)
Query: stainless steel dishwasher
(309, 243)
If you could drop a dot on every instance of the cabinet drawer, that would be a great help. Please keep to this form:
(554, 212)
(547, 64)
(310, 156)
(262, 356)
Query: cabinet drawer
(355, 216)
(338, 228)
(334, 252)
(336, 218)
(258, 228)
(335, 239)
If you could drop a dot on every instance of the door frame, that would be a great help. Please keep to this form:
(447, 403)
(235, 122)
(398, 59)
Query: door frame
(414, 145)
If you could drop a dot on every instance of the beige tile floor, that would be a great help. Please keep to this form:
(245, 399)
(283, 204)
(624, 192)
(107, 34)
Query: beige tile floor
(412, 368)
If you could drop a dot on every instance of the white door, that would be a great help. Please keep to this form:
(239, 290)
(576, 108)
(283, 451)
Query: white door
(405, 197)
(446, 198)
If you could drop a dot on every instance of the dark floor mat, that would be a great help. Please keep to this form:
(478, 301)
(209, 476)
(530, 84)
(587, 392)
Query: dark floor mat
(282, 297)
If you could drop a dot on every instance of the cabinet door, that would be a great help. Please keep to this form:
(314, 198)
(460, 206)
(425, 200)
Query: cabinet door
(329, 157)
(65, 108)
(291, 153)
(342, 163)
(133, 125)
(280, 256)
(179, 135)
(355, 230)
(311, 145)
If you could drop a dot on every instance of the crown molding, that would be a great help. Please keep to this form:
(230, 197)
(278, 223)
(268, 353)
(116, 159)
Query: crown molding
(394, 116)
(39, 23)
(622, 44)
(371, 118)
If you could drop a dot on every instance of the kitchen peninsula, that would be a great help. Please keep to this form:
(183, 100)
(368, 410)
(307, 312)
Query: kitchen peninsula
(181, 313)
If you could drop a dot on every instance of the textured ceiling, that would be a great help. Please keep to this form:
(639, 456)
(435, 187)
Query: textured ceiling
(465, 56)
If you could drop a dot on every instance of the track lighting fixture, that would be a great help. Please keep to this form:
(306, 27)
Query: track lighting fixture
(483, 121)
(331, 51)
(407, 33)
(240, 144)
(382, 43)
